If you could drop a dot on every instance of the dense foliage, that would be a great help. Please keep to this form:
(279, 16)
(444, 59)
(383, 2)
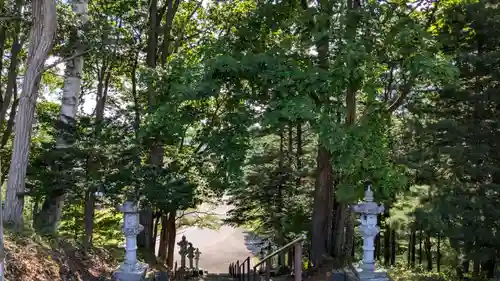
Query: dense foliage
(289, 107)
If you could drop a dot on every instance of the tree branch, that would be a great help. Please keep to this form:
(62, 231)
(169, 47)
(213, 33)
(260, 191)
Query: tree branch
(6, 18)
(405, 91)
(74, 56)
(197, 213)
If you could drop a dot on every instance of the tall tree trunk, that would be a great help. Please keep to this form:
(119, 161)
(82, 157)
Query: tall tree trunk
(322, 206)
(476, 267)
(47, 220)
(298, 155)
(2, 245)
(428, 251)
(420, 250)
(144, 238)
(409, 252)
(162, 251)
(342, 212)
(15, 49)
(10, 123)
(438, 253)
(94, 163)
(387, 243)
(349, 234)
(42, 36)
(394, 246)
(279, 235)
(413, 245)
(171, 231)
(323, 191)
(488, 267)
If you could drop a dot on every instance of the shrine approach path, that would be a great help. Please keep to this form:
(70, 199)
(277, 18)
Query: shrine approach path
(218, 247)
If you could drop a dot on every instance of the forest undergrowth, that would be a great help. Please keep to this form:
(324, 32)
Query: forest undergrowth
(32, 257)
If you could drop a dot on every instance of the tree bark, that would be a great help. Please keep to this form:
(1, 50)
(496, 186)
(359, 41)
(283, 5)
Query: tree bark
(2, 245)
(162, 251)
(394, 246)
(156, 150)
(322, 206)
(42, 36)
(322, 216)
(420, 250)
(94, 163)
(50, 215)
(12, 73)
(428, 251)
(387, 244)
(349, 234)
(342, 212)
(413, 246)
(438, 253)
(409, 252)
(171, 231)
(488, 267)
(298, 154)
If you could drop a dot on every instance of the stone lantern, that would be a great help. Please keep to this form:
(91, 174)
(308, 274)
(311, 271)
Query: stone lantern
(369, 210)
(131, 269)
(183, 244)
(197, 254)
(190, 255)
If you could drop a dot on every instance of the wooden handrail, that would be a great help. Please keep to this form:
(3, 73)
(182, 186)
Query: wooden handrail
(298, 240)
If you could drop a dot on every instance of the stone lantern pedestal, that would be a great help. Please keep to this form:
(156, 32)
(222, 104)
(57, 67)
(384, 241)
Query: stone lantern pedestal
(131, 269)
(369, 229)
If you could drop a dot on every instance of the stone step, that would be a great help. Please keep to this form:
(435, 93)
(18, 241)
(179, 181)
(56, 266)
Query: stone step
(215, 277)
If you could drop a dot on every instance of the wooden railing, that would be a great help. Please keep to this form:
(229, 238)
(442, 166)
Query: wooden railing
(241, 271)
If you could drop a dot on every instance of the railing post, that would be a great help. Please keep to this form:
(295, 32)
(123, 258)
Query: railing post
(298, 261)
(248, 270)
(262, 255)
(268, 270)
(242, 276)
(237, 270)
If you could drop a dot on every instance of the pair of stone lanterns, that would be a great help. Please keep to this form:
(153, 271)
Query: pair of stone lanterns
(133, 270)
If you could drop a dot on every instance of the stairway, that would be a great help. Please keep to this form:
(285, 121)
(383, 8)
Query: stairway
(216, 277)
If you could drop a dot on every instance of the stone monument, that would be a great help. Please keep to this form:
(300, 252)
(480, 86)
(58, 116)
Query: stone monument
(131, 269)
(183, 251)
(197, 254)
(190, 255)
(369, 229)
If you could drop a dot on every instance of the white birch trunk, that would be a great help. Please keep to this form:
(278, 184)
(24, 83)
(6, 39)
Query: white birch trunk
(2, 247)
(47, 220)
(42, 36)
(73, 74)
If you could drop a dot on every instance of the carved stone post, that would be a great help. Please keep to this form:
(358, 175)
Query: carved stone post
(190, 254)
(183, 251)
(197, 254)
(131, 269)
(369, 229)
